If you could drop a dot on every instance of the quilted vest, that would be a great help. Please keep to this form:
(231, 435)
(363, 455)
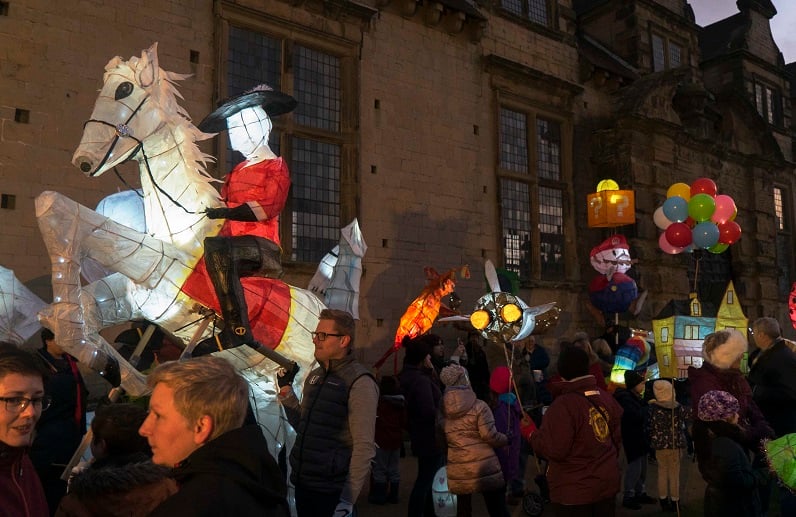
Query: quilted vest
(322, 453)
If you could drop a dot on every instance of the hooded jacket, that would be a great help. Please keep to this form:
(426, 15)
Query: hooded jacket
(129, 488)
(21, 493)
(507, 413)
(471, 435)
(232, 474)
(666, 425)
(710, 377)
(583, 449)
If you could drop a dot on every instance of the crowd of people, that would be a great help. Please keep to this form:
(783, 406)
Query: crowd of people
(198, 451)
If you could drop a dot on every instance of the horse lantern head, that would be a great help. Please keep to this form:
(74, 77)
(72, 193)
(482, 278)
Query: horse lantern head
(126, 112)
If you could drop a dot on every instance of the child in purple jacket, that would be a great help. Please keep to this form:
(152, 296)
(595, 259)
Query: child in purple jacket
(508, 414)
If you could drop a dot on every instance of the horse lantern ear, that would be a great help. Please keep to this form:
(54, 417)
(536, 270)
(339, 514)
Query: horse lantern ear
(147, 69)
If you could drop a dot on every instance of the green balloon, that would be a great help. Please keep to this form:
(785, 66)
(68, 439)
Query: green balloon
(701, 207)
(719, 247)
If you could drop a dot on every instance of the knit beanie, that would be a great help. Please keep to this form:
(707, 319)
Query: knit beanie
(717, 405)
(500, 380)
(724, 347)
(417, 348)
(632, 379)
(664, 393)
(573, 362)
(454, 375)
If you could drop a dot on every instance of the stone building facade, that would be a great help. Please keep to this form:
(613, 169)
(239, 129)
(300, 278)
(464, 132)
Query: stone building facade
(456, 132)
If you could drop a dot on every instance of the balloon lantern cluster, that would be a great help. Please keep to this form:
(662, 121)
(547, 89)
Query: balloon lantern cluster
(697, 217)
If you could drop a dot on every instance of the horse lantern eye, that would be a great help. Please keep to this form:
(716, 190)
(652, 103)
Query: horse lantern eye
(123, 90)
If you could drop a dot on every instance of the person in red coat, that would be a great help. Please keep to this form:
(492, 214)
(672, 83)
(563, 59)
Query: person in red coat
(255, 193)
(581, 437)
(22, 400)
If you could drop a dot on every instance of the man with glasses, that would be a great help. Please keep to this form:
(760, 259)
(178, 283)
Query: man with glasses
(335, 422)
(22, 400)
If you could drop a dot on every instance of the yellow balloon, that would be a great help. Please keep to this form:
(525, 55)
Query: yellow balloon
(679, 189)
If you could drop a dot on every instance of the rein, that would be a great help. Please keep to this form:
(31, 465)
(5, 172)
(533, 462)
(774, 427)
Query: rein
(123, 131)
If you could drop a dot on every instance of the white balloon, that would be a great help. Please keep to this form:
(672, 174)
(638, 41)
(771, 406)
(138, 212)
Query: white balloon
(661, 221)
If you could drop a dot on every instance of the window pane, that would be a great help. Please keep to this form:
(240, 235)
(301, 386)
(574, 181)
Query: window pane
(516, 221)
(759, 98)
(537, 11)
(551, 231)
(770, 105)
(675, 55)
(514, 6)
(658, 57)
(317, 89)
(315, 171)
(548, 148)
(253, 58)
(778, 209)
(513, 141)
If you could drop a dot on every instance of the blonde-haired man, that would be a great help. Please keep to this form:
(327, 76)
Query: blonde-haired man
(195, 425)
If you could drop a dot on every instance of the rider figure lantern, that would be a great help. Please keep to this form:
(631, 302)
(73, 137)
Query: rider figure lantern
(255, 192)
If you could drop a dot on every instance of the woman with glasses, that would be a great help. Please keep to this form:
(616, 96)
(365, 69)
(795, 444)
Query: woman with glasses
(22, 400)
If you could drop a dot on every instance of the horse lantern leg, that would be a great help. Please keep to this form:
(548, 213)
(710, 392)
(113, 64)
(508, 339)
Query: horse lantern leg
(72, 232)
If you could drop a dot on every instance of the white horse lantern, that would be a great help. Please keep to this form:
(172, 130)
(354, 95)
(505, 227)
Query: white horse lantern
(158, 275)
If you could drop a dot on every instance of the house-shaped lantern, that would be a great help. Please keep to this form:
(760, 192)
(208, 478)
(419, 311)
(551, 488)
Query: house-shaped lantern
(610, 207)
(679, 335)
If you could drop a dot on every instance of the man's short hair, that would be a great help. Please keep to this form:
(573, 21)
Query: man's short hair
(768, 327)
(16, 360)
(205, 385)
(343, 323)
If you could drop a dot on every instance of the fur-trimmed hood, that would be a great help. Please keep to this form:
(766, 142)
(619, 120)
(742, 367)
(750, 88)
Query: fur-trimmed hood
(106, 479)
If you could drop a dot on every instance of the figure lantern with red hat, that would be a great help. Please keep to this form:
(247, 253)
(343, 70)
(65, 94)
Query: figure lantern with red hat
(612, 291)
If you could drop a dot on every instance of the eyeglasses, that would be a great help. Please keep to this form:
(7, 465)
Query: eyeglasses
(20, 404)
(321, 336)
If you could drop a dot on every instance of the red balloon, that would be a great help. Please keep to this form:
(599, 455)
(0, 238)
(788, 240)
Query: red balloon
(729, 232)
(678, 234)
(690, 222)
(704, 186)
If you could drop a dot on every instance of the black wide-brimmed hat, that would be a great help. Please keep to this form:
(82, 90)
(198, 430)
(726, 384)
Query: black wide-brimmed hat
(273, 102)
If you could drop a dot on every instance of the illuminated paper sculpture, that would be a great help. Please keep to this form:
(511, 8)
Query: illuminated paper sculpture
(680, 331)
(610, 207)
(612, 291)
(18, 308)
(337, 278)
(157, 275)
(502, 317)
